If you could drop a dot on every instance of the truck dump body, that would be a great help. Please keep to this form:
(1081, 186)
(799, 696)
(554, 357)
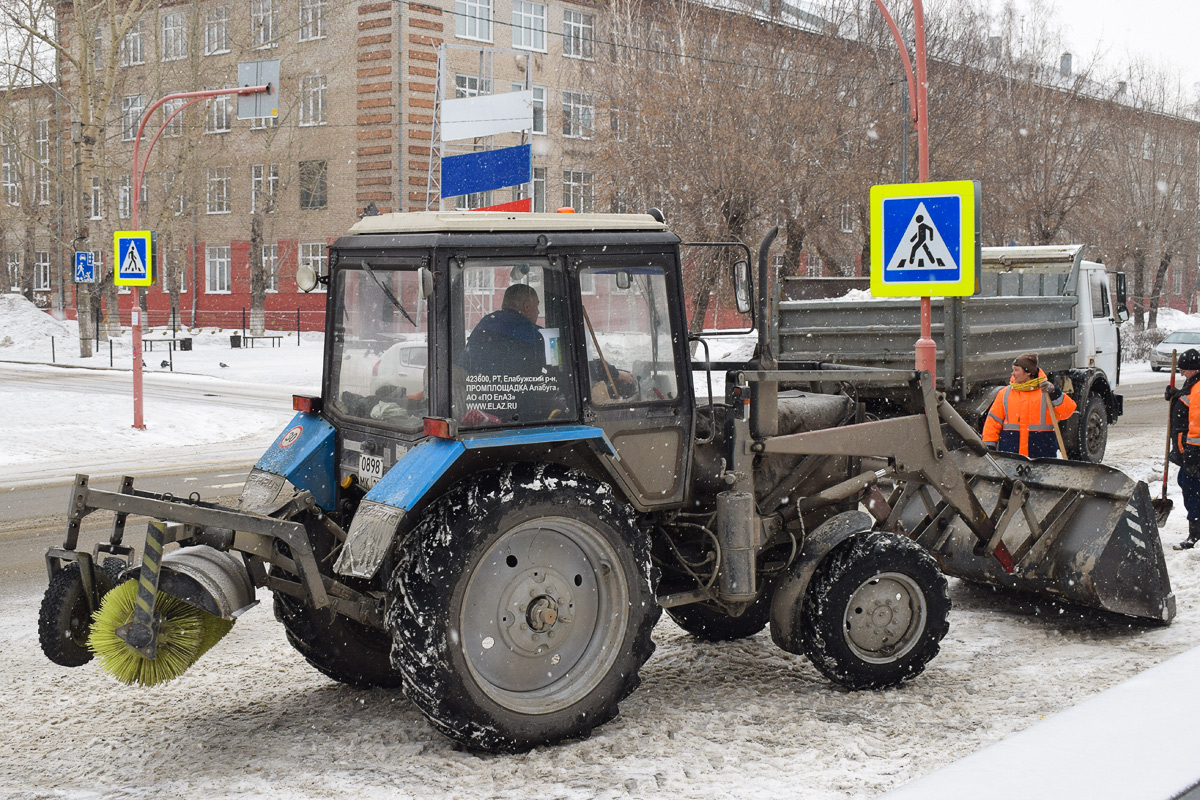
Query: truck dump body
(977, 338)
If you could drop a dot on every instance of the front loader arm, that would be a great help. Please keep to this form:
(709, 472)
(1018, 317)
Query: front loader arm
(915, 449)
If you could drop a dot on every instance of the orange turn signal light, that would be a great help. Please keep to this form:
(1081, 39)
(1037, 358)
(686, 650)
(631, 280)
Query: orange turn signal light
(441, 428)
(302, 403)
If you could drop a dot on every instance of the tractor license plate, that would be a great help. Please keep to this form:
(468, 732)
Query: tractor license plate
(370, 469)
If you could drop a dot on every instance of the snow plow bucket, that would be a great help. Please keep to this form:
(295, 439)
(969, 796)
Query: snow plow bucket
(1080, 533)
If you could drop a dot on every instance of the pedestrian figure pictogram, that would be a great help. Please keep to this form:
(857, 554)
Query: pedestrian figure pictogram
(134, 258)
(923, 247)
(922, 237)
(133, 266)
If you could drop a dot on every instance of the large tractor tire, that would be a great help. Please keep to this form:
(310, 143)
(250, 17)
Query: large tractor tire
(521, 608)
(713, 625)
(875, 612)
(336, 646)
(64, 619)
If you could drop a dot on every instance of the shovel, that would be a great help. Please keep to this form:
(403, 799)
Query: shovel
(1163, 505)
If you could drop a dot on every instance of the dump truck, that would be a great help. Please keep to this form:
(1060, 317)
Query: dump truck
(1044, 299)
(501, 536)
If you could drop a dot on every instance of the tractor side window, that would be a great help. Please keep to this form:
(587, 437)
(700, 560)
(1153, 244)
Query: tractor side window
(509, 334)
(630, 355)
(380, 347)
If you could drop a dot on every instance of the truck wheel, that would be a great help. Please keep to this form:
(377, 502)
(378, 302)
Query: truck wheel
(875, 612)
(714, 625)
(64, 620)
(521, 608)
(1093, 430)
(336, 646)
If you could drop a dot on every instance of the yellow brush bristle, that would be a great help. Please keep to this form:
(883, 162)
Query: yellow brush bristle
(185, 633)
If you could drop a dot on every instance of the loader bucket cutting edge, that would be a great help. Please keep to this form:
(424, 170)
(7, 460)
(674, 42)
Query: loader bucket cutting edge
(1100, 545)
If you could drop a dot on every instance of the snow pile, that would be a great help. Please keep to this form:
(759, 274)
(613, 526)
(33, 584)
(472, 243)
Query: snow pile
(24, 325)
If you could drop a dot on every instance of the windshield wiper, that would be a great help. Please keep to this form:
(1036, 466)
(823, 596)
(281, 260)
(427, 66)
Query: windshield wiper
(389, 294)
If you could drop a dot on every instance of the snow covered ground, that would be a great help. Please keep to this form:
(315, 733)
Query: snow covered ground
(731, 720)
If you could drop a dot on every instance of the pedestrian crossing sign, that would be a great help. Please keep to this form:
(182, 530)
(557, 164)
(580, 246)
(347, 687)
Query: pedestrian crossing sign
(924, 239)
(134, 258)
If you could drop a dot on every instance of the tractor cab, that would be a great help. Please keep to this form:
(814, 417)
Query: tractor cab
(475, 326)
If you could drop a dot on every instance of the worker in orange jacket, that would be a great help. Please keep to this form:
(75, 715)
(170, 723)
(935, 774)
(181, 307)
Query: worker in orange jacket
(1185, 441)
(1018, 421)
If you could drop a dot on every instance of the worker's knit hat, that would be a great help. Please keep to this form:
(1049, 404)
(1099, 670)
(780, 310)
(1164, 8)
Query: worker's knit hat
(1028, 362)
(1189, 359)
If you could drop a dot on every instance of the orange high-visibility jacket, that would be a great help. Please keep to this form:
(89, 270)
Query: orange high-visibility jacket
(1018, 423)
(1185, 421)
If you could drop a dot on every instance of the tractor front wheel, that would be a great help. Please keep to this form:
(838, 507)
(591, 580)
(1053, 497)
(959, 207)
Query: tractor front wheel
(875, 612)
(65, 618)
(521, 608)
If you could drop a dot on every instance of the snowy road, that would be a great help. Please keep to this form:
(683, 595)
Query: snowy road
(730, 720)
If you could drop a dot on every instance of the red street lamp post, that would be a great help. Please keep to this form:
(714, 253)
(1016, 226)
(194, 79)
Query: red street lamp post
(926, 349)
(139, 172)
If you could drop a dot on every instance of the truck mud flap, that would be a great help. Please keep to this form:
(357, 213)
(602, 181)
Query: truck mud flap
(1079, 533)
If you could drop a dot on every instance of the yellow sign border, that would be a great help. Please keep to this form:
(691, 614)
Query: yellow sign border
(968, 191)
(149, 239)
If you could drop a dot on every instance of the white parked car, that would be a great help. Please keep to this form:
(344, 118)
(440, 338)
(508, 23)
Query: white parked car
(401, 366)
(1160, 357)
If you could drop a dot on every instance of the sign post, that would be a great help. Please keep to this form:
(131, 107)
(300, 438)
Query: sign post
(133, 254)
(925, 243)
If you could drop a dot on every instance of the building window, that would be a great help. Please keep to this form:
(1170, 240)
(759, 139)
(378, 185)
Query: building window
(174, 128)
(264, 183)
(312, 20)
(466, 202)
(270, 263)
(618, 122)
(124, 197)
(41, 152)
(473, 19)
(9, 168)
(812, 267)
(577, 190)
(539, 188)
(263, 123)
(172, 191)
(133, 46)
(97, 198)
(14, 271)
(216, 30)
(218, 190)
(220, 116)
(174, 36)
(847, 222)
(313, 254)
(471, 86)
(1177, 282)
(577, 115)
(262, 23)
(131, 115)
(217, 268)
(312, 100)
(312, 185)
(41, 271)
(529, 25)
(539, 106)
(579, 34)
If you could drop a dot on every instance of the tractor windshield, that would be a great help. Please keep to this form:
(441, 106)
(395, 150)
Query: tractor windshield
(510, 343)
(380, 350)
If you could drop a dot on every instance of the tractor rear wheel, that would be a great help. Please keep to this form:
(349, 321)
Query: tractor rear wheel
(521, 608)
(336, 646)
(65, 619)
(875, 612)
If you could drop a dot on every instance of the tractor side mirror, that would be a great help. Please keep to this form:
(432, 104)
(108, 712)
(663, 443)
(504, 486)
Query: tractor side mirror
(624, 280)
(1122, 303)
(425, 277)
(306, 278)
(741, 286)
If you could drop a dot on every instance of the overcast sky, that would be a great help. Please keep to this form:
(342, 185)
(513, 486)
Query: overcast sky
(1165, 31)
